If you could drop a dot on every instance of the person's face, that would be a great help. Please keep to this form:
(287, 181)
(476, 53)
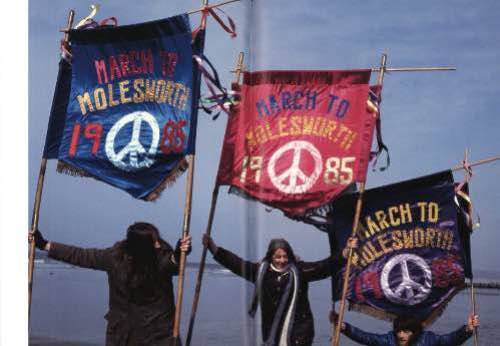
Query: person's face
(280, 258)
(404, 337)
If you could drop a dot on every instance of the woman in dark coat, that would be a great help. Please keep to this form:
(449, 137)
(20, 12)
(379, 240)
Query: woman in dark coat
(140, 270)
(281, 288)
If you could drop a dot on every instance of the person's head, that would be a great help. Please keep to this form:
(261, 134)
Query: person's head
(142, 238)
(142, 276)
(406, 329)
(279, 253)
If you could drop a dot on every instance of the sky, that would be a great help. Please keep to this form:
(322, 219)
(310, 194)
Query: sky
(428, 118)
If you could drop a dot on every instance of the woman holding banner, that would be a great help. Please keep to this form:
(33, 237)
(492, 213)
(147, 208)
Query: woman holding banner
(281, 287)
(140, 270)
(409, 331)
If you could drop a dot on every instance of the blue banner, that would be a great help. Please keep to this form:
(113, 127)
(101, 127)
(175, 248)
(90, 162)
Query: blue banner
(131, 114)
(410, 258)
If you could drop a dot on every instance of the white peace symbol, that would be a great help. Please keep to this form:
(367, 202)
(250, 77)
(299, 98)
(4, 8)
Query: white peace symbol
(408, 292)
(138, 158)
(294, 173)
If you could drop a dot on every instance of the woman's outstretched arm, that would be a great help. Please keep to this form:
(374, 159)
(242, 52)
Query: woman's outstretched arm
(99, 259)
(314, 271)
(240, 267)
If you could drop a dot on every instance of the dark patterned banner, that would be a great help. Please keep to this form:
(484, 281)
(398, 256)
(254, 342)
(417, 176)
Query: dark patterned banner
(131, 114)
(411, 258)
(297, 139)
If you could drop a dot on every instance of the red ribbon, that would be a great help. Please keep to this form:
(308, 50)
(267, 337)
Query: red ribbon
(209, 10)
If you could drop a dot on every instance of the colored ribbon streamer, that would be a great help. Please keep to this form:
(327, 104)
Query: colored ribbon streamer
(89, 23)
(231, 29)
(459, 191)
(209, 10)
(218, 94)
(373, 106)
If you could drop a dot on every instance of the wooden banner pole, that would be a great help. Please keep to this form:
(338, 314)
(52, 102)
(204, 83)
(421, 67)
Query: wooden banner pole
(359, 204)
(34, 226)
(185, 232)
(477, 163)
(38, 200)
(215, 193)
(473, 302)
(468, 175)
(201, 268)
(414, 69)
(182, 261)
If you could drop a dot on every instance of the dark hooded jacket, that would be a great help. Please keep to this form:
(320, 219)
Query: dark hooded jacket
(425, 338)
(273, 285)
(139, 317)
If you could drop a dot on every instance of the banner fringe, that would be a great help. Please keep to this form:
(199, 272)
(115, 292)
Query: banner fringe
(168, 181)
(65, 168)
(374, 312)
(386, 316)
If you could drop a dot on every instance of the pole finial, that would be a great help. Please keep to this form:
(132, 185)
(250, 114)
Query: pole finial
(383, 63)
(239, 67)
(94, 8)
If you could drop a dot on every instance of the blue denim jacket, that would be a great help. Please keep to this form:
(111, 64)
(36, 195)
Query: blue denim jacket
(457, 337)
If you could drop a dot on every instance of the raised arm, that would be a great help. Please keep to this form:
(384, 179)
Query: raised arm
(313, 271)
(460, 335)
(99, 259)
(240, 267)
(360, 336)
(365, 338)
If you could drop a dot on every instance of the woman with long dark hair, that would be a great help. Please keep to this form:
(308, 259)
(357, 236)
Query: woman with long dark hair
(281, 288)
(140, 270)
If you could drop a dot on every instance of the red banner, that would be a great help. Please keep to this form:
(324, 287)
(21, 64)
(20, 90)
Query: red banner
(297, 139)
